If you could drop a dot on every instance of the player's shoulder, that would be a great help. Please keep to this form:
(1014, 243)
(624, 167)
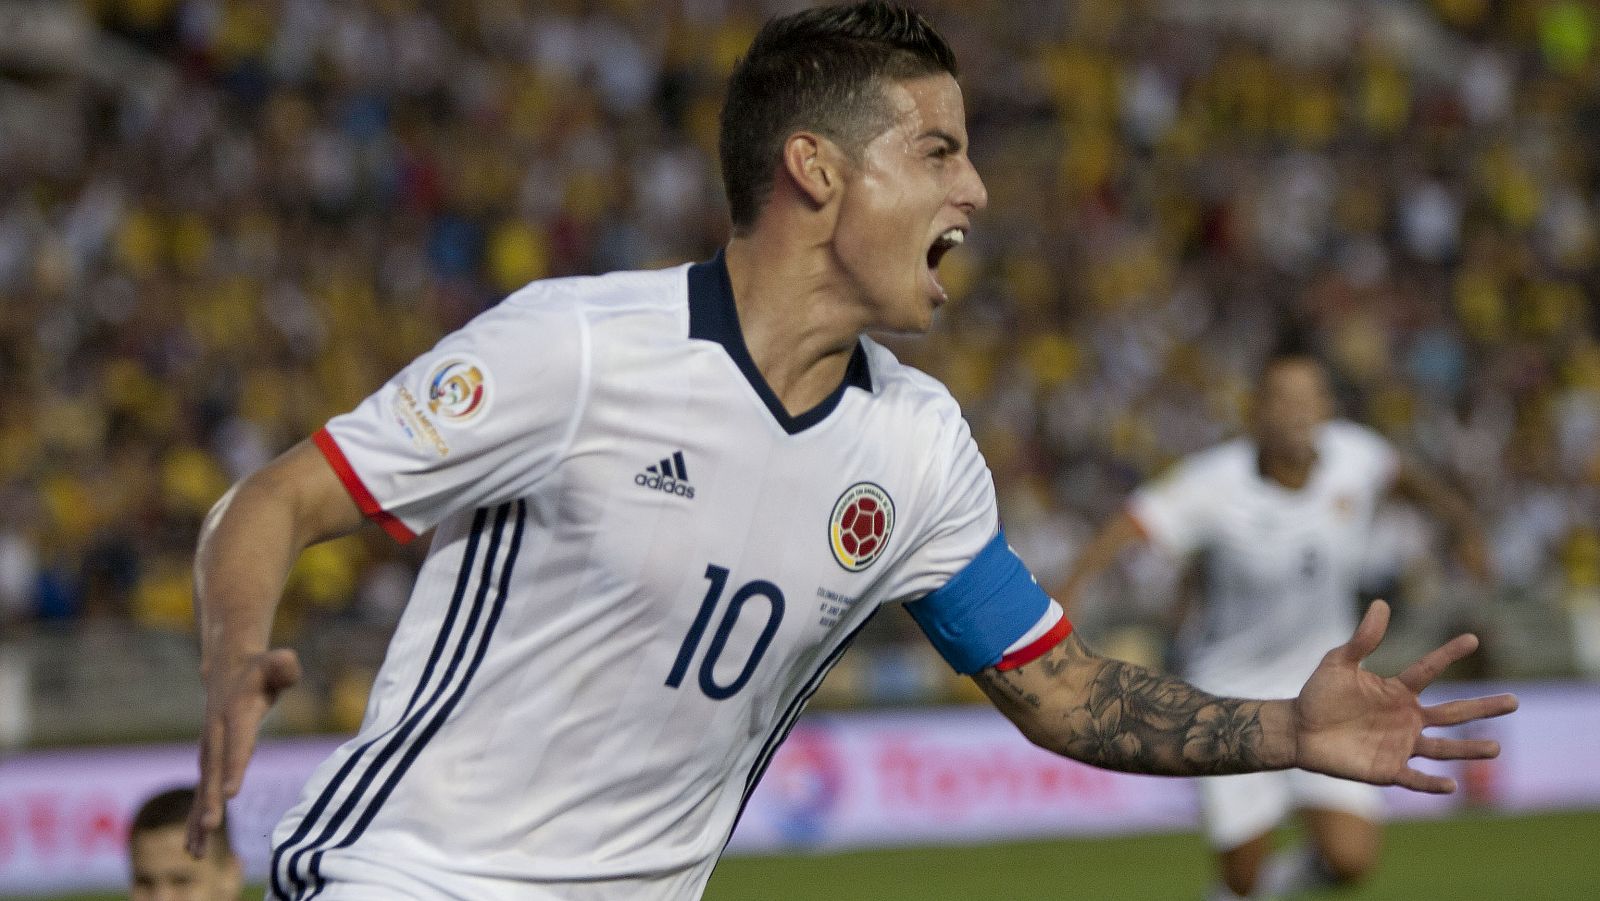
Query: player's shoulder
(906, 390)
(1234, 459)
(1221, 468)
(1342, 436)
(614, 293)
(564, 313)
(1357, 450)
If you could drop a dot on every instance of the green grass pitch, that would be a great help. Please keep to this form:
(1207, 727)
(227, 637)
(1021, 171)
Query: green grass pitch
(1552, 857)
(1544, 858)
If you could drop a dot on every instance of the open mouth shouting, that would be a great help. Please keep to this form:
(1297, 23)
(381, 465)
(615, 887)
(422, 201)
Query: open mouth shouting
(941, 245)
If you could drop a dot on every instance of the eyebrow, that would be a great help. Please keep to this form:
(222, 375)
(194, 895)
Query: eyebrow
(941, 134)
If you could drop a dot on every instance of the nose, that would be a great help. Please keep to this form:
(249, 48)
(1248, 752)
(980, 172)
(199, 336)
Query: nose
(970, 194)
(1292, 421)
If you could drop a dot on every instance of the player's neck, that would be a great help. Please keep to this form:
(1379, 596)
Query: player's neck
(798, 332)
(1291, 474)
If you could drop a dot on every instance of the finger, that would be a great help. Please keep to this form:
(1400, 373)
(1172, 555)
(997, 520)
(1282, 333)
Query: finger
(1454, 713)
(1369, 634)
(1418, 781)
(195, 832)
(240, 744)
(206, 814)
(1456, 748)
(281, 671)
(1421, 674)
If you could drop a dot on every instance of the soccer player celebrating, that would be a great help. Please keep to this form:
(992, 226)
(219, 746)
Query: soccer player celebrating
(1281, 518)
(664, 502)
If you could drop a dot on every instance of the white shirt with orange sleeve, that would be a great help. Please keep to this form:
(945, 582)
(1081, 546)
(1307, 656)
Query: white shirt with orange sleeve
(1280, 566)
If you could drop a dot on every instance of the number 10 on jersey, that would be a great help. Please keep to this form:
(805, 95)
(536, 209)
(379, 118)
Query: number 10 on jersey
(718, 577)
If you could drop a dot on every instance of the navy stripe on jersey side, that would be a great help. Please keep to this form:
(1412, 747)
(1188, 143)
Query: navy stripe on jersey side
(398, 738)
(785, 723)
(331, 790)
(444, 712)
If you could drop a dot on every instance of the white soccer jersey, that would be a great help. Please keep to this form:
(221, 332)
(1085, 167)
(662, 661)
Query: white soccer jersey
(1281, 566)
(642, 569)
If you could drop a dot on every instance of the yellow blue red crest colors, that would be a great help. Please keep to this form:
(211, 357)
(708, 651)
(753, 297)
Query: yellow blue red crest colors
(458, 390)
(859, 529)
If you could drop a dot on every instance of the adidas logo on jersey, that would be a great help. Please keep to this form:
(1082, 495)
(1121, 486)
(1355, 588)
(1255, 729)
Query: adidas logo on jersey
(670, 475)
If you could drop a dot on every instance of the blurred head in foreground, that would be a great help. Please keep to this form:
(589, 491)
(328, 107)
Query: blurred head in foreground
(163, 871)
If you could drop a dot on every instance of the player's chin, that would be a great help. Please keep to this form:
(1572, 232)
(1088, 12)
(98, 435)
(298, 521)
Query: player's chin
(916, 315)
(903, 325)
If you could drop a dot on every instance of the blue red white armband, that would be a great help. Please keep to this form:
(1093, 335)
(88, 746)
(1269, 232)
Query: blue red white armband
(991, 613)
(1046, 634)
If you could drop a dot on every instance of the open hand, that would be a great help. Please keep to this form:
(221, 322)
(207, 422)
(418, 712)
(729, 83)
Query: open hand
(238, 697)
(1358, 725)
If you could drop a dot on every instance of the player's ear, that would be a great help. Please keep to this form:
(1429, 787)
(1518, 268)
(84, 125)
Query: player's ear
(813, 165)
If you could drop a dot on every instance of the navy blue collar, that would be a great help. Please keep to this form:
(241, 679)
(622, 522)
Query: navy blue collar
(714, 317)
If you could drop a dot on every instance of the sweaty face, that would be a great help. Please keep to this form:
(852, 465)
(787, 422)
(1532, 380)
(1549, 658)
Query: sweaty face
(164, 871)
(910, 199)
(1292, 405)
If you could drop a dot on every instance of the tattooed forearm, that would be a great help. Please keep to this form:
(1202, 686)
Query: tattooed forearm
(1144, 722)
(1125, 717)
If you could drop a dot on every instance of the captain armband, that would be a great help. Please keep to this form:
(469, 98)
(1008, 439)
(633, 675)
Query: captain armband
(991, 613)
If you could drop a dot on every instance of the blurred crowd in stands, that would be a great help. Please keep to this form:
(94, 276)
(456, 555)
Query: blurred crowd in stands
(222, 221)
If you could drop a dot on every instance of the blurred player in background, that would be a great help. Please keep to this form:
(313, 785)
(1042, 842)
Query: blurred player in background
(664, 502)
(1280, 519)
(162, 870)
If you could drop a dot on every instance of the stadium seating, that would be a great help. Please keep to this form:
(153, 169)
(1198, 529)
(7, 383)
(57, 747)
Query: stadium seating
(230, 220)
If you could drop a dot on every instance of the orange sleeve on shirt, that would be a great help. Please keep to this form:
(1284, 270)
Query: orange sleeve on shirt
(1138, 524)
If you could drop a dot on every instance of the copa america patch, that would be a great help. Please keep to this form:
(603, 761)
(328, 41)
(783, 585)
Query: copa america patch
(458, 390)
(860, 526)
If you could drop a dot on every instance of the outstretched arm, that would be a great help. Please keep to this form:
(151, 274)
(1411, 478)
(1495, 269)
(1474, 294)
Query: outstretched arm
(1119, 533)
(247, 545)
(1416, 482)
(1346, 722)
(1122, 716)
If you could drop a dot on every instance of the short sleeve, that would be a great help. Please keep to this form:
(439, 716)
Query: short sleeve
(965, 587)
(1377, 461)
(1174, 511)
(961, 517)
(476, 421)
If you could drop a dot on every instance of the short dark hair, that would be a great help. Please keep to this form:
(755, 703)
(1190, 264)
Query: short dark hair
(824, 70)
(1292, 344)
(171, 808)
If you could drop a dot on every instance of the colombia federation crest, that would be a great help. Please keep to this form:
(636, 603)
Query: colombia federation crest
(859, 529)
